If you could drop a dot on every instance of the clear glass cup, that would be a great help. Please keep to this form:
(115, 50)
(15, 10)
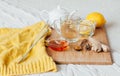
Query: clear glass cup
(68, 29)
(87, 28)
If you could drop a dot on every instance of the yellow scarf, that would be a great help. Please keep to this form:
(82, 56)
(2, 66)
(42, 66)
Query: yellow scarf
(14, 43)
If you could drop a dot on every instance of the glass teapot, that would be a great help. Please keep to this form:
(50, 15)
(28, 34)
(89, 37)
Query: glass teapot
(69, 25)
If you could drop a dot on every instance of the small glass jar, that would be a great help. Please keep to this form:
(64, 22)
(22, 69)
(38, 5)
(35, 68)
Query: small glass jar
(87, 28)
(57, 45)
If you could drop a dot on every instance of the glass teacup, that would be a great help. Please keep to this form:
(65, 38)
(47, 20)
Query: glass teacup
(68, 29)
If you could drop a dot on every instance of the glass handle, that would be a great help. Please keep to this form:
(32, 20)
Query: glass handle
(56, 26)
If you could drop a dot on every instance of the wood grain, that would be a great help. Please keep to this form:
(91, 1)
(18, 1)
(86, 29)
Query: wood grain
(83, 57)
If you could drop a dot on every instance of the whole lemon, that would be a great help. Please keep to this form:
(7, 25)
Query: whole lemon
(96, 17)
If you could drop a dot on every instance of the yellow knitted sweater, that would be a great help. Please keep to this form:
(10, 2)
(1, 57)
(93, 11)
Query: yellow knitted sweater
(13, 44)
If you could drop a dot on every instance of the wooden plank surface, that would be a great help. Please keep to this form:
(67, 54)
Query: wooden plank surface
(83, 57)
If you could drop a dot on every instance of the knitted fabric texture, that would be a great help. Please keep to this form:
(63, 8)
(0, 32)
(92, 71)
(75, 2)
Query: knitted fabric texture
(13, 44)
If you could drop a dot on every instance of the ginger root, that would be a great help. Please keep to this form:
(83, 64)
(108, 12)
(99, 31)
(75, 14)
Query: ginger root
(91, 44)
(98, 46)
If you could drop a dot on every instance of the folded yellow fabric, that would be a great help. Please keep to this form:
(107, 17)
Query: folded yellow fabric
(13, 44)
